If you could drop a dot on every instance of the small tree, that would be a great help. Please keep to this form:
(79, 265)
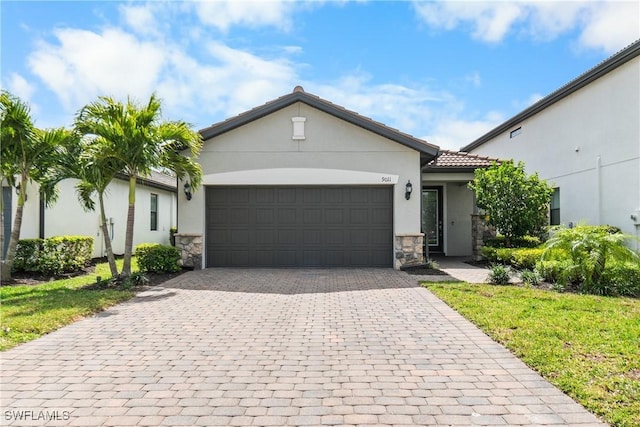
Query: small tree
(138, 140)
(517, 203)
(590, 249)
(27, 154)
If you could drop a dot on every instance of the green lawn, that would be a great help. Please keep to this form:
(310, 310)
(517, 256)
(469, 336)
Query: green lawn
(28, 312)
(588, 346)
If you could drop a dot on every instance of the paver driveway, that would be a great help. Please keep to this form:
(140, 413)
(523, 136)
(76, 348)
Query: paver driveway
(276, 348)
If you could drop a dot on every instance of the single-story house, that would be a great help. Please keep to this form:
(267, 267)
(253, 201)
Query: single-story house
(584, 139)
(155, 213)
(303, 182)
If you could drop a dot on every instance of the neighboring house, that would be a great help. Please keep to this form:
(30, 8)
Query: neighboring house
(300, 182)
(155, 213)
(584, 139)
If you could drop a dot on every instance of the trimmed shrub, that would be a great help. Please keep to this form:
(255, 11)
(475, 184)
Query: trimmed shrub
(153, 257)
(520, 242)
(27, 255)
(499, 274)
(54, 255)
(563, 272)
(621, 279)
(530, 277)
(517, 257)
(65, 254)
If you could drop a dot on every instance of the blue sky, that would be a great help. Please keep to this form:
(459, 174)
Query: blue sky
(443, 71)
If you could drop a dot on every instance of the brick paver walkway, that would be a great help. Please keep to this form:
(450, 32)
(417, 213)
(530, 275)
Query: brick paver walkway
(278, 348)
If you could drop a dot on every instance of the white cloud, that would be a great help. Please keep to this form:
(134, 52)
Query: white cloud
(20, 87)
(85, 64)
(222, 81)
(453, 133)
(140, 18)
(612, 26)
(474, 78)
(492, 21)
(257, 13)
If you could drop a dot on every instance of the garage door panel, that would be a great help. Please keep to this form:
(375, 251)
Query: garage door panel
(335, 258)
(287, 195)
(265, 237)
(265, 195)
(286, 216)
(287, 237)
(241, 195)
(286, 258)
(239, 258)
(334, 237)
(334, 216)
(312, 237)
(265, 216)
(312, 195)
(311, 216)
(380, 216)
(218, 216)
(359, 216)
(299, 226)
(239, 216)
(359, 237)
(239, 237)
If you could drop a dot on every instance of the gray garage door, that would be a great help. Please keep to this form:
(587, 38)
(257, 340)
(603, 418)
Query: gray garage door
(299, 226)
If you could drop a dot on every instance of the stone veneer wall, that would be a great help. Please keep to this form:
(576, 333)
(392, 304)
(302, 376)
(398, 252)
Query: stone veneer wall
(409, 249)
(480, 231)
(190, 247)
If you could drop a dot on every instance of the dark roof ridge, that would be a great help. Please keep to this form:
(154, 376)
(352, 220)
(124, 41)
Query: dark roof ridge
(602, 68)
(299, 95)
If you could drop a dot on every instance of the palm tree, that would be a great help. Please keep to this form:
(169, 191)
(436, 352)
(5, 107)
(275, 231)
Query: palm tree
(590, 248)
(28, 154)
(137, 138)
(84, 160)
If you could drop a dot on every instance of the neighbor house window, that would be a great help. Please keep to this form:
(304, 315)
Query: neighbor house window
(154, 212)
(515, 132)
(555, 207)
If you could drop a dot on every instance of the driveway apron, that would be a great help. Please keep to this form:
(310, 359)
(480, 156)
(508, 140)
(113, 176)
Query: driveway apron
(269, 347)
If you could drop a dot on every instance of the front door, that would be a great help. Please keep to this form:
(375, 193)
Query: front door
(432, 218)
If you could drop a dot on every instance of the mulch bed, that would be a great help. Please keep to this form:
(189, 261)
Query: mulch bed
(424, 271)
(32, 279)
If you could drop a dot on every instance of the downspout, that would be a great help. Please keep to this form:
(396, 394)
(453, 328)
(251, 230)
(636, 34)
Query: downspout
(598, 191)
(42, 212)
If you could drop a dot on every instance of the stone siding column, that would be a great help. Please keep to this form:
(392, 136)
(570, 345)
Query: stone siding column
(480, 232)
(409, 249)
(190, 247)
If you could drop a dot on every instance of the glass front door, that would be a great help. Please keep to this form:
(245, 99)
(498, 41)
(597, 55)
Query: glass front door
(432, 218)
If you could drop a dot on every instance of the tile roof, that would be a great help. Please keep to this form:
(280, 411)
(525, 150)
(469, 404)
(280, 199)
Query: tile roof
(299, 95)
(459, 160)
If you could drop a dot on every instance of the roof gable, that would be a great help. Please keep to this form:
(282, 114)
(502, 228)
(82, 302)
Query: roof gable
(427, 151)
(610, 64)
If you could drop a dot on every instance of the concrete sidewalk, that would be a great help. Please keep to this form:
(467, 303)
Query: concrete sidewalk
(457, 268)
(312, 347)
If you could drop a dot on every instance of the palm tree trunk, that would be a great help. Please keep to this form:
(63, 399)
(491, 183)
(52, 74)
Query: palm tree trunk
(128, 240)
(15, 233)
(107, 238)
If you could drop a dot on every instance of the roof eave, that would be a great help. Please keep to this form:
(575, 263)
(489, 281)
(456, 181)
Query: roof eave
(581, 81)
(423, 147)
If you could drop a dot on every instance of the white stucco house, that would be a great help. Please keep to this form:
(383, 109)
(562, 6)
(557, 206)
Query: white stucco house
(155, 213)
(584, 139)
(303, 182)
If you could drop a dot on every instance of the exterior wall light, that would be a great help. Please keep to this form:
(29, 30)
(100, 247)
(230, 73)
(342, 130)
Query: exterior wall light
(187, 190)
(407, 190)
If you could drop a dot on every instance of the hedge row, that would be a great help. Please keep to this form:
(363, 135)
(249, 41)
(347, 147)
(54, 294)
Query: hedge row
(156, 258)
(54, 255)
